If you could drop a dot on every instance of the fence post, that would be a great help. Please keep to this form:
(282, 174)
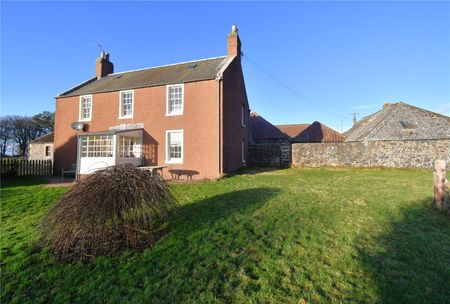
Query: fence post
(439, 183)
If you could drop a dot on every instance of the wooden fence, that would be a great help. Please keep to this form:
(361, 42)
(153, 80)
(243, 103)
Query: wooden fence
(21, 167)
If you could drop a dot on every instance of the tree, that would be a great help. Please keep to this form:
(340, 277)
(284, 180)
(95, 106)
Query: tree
(44, 121)
(6, 135)
(20, 130)
(25, 129)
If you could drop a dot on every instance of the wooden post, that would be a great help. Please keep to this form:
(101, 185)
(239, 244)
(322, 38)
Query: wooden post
(439, 183)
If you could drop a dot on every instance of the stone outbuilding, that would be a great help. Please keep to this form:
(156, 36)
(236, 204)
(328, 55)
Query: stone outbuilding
(400, 121)
(268, 145)
(311, 133)
(399, 135)
(262, 131)
(41, 148)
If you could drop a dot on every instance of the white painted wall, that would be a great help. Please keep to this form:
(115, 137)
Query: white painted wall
(92, 164)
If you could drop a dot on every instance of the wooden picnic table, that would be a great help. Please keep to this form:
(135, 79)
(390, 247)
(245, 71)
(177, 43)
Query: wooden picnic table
(153, 169)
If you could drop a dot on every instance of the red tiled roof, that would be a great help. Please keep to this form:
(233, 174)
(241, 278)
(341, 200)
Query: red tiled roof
(292, 130)
(262, 129)
(318, 132)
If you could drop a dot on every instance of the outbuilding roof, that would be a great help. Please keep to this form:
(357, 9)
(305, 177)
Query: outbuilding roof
(400, 121)
(47, 138)
(317, 132)
(292, 130)
(198, 70)
(260, 128)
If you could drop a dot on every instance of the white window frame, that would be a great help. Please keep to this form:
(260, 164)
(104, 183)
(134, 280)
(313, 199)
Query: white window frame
(93, 146)
(243, 150)
(176, 160)
(80, 113)
(174, 113)
(136, 148)
(243, 115)
(121, 116)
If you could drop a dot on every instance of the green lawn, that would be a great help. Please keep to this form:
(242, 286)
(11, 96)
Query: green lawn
(319, 235)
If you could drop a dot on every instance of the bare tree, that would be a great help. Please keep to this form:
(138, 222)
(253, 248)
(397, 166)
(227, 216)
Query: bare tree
(25, 130)
(6, 135)
(18, 131)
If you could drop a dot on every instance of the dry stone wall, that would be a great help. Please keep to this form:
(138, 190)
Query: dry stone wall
(389, 153)
(270, 154)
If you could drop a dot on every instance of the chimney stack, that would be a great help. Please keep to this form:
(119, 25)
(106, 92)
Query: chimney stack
(103, 66)
(386, 104)
(234, 43)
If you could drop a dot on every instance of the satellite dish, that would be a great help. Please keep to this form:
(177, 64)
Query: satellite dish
(78, 125)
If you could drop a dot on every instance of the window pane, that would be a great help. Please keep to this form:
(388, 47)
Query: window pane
(175, 145)
(129, 147)
(86, 107)
(127, 103)
(175, 99)
(96, 146)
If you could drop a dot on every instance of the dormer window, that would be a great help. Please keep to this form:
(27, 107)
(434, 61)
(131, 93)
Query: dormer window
(85, 108)
(126, 104)
(175, 99)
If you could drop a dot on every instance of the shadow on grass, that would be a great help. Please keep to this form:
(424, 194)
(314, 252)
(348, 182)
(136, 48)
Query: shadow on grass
(18, 181)
(185, 263)
(411, 264)
(207, 211)
(256, 170)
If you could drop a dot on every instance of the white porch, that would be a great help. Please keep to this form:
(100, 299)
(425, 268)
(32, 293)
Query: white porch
(98, 150)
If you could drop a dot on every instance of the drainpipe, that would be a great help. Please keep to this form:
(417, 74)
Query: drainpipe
(219, 167)
(77, 170)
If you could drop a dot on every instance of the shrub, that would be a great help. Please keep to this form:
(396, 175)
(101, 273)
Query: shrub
(110, 210)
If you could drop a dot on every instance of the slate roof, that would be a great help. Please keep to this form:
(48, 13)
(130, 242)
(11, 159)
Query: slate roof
(47, 138)
(400, 121)
(260, 128)
(317, 132)
(292, 130)
(204, 69)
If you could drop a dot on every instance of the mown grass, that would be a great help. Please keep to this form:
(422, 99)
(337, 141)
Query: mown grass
(318, 235)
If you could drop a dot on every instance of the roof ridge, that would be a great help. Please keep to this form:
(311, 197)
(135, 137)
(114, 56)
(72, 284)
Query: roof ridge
(422, 109)
(42, 136)
(167, 65)
(294, 124)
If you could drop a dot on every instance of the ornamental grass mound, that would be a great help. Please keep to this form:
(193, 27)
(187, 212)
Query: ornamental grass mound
(111, 210)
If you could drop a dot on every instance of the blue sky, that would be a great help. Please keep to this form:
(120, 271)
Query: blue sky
(303, 61)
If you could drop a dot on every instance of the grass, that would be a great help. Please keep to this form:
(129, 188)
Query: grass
(285, 236)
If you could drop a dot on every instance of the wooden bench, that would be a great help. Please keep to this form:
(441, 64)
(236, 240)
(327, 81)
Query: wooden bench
(177, 173)
(72, 170)
(153, 169)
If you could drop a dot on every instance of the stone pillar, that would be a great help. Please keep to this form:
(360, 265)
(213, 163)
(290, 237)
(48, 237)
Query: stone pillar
(439, 183)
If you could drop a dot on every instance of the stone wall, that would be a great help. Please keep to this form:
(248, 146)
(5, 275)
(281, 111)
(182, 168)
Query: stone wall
(397, 154)
(270, 154)
(37, 151)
